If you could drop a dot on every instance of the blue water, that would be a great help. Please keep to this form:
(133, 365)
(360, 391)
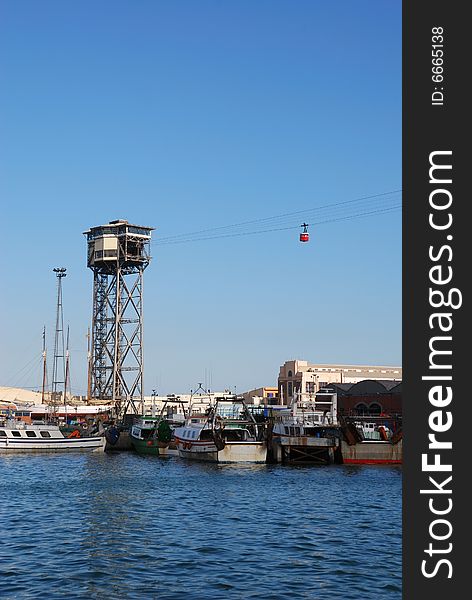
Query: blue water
(124, 526)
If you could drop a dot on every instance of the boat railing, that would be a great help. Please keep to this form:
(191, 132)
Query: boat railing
(14, 424)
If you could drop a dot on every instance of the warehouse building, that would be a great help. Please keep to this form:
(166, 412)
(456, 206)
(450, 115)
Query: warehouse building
(302, 377)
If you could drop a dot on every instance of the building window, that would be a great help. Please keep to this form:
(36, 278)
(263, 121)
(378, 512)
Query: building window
(290, 388)
(361, 409)
(310, 387)
(375, 409)
(290, 374)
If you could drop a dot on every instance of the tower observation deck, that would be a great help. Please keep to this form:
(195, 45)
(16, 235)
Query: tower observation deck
(118, 254)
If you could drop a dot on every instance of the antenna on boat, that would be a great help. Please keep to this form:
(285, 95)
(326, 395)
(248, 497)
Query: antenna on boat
(200, 384)
(153, 396)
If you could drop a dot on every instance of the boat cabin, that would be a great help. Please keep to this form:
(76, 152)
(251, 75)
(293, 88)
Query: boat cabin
(20, 430)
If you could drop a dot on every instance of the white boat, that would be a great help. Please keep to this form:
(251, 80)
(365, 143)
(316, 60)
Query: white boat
(372, 431)
(306, 431)
(306, 417)
(16, 436)
(225, 433)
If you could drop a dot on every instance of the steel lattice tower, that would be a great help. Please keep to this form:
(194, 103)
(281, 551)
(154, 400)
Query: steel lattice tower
(118, 253)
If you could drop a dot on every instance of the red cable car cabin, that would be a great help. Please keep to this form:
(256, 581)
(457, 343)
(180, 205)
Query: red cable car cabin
(305, 236)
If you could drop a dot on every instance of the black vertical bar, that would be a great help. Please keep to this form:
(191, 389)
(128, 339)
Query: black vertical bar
(436, 50)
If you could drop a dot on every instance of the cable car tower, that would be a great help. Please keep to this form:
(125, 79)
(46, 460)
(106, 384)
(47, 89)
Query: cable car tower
(117, 254)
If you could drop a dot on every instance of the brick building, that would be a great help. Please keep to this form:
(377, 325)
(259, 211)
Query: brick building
(369, 397)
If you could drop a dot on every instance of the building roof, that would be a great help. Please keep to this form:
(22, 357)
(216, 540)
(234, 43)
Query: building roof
(13, 394)
(372, 371)
(367, 387)
(118, 223)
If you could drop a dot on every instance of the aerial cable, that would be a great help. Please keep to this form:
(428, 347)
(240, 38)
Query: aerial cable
(245, 233)
(316, 223)
(26, 368)
(336, 206)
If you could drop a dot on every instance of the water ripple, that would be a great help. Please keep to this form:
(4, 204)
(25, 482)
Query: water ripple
(93, 526)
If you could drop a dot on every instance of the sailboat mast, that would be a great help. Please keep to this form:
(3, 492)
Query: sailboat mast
(67, 374)
(43, 388)
(89, 367)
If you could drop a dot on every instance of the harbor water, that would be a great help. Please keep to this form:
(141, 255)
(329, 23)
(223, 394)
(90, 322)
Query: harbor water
(120, 525)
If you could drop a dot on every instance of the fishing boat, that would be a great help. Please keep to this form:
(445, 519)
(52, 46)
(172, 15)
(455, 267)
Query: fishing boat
(372, 441)
(307, 431)
(155, 435)
(17, 436)
(142, 436)
(225, 433)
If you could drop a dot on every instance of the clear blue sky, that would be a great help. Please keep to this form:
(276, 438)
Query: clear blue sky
(185, 115)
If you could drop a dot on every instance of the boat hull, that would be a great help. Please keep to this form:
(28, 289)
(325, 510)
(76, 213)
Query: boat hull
(372, 453)
(147, 447)
(233, 452)
(304, 449)
(91, 444)
(153, 447)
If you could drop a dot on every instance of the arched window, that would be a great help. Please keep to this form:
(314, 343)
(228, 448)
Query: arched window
(290, 374)
(375, 408)
(361, 408)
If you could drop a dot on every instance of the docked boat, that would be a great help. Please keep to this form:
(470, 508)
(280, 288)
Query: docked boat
(17, 436)
(225, 433)
(155, 435)
(372, 441)
(307, 431)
